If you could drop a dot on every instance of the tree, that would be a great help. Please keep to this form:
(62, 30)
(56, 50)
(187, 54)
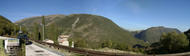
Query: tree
(110, 43)
(104, 44)
(173, 41)
(55, 32)
(36, 33)
(80, 42)
(107, 43)
(187, 33)
(70, 42)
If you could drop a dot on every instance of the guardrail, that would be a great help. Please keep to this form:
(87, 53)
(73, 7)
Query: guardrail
(87, 52)
(99, 53)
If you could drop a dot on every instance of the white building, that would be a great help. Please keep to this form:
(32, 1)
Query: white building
(48, 41)
(11, 46)
(63, 40)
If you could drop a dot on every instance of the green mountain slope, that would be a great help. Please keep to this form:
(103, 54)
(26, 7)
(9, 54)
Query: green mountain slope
(6, 26)
(29, 22)
(91, 29)
(153, 34)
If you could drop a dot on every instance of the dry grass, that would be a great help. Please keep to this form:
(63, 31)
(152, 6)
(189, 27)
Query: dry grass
(114, 51)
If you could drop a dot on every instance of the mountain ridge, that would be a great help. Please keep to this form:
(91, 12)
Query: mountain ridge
(153, 34)
(94, 27)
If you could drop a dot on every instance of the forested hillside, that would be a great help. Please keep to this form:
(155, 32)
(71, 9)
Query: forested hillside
(89, 30)
(31, 21)
(7, 27)
(153, 34)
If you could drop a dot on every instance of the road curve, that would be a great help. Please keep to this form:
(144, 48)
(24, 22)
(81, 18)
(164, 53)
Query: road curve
(34, 50)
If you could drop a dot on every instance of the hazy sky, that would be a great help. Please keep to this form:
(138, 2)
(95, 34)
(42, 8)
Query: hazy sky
(129, 14)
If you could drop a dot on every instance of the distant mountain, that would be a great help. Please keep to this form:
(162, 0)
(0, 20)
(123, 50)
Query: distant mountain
(91, 28)
(135, 32)
(6, 26)
(153, 34)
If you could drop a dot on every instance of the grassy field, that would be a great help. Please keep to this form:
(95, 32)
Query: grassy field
(2, 53)
(114, 51)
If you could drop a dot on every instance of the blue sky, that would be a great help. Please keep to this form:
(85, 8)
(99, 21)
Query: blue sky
(129, 14)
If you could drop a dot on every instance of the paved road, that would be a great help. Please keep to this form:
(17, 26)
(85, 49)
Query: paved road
(34, 50)
(4, 38)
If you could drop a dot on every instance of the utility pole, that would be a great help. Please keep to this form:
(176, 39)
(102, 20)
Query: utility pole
(43, 27)
(43, 31)
(20, 29)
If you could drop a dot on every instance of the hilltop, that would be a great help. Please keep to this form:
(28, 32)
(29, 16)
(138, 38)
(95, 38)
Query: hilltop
(153, 34)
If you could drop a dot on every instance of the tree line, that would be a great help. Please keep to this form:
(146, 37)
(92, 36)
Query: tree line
(171, 43)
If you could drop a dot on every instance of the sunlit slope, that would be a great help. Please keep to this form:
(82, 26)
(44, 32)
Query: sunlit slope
(95, 30)
(6, 26)
(92, 29)
(29, 22)
(153, 34)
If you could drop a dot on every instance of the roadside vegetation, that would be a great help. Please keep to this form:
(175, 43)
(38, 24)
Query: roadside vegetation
(7, 28)
(170, 43)
(2, 50)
